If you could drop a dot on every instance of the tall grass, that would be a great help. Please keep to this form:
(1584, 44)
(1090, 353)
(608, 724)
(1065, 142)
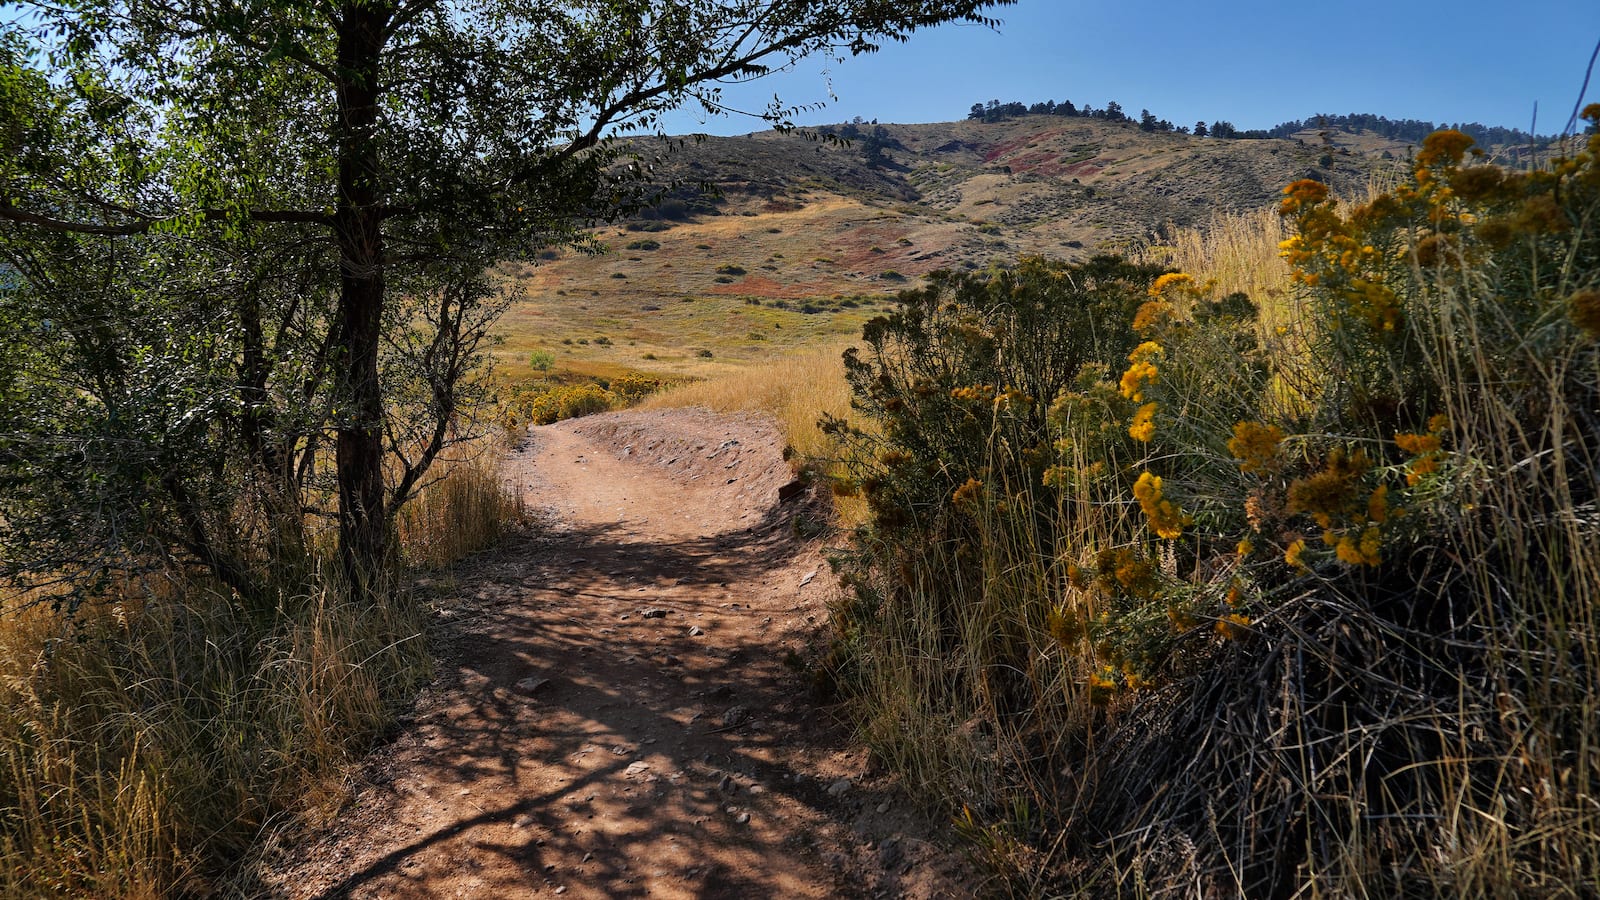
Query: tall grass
(149, 739)
(796, 390)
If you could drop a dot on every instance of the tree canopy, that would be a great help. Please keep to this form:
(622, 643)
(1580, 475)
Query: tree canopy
(296, 204)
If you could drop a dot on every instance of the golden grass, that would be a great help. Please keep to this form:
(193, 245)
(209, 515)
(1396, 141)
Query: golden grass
(796, 390)
(152, 738)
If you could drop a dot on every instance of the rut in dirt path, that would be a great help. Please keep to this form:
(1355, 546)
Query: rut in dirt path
(615, 718)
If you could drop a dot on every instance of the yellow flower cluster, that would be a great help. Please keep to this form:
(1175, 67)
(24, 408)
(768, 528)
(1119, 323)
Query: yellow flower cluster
(1065, 626)
(1293, 554)
(1144, 422)
(1123, 568)
(1255, 446)
(1166, 519)
(975, 393)
(1336, 499)
(1233, 626)
(1168, 280)
(1102, 685)
(1329, 493)
(1143, 372)
(968, 492)
(1152, 314)
(1424, 449)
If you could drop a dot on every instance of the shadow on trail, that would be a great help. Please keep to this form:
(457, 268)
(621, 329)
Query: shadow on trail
(625, 690)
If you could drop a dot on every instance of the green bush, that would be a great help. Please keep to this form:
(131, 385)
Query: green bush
(1256, 611)
(554, 403)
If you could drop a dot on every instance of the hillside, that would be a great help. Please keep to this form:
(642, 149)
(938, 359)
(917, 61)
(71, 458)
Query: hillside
(806, 233)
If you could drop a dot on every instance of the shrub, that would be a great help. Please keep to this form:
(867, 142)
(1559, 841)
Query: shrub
(541, 360)
(1253, 610)
(730, 269)
(703, 354)
(560, 402)
(643, 245)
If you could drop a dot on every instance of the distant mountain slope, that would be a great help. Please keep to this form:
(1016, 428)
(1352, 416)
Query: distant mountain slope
(770, 242)
(1047, 180)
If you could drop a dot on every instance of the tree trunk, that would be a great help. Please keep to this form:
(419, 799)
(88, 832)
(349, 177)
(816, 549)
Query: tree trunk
(363, 522)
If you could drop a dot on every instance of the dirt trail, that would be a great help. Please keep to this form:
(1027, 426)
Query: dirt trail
(615, 718)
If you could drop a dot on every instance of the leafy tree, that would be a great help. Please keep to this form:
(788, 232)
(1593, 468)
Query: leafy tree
(289, 192)
(1200, 129)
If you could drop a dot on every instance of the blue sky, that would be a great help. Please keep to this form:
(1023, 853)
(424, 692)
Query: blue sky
(1252, 63)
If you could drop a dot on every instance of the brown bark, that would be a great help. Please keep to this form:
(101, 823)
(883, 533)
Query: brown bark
(364, 540)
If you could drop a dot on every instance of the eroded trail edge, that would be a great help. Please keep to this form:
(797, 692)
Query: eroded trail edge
(614, 716)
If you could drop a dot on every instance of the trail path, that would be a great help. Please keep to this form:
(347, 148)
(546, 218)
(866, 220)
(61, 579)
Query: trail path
(615, 718)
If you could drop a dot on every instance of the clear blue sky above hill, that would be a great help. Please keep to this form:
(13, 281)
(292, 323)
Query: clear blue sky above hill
(1253, 63)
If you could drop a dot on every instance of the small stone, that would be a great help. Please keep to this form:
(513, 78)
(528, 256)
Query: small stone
(562, 889)
(653, 613)
(532, 685)
(522, 821)
(808, 577)
(883, 808)
(734, 716)
(839, 788)
(742, 818)
(636, 768)
(696, 631)
(725, 784)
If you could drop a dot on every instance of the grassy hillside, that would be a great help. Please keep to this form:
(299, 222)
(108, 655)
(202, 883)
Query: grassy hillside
(769, 243)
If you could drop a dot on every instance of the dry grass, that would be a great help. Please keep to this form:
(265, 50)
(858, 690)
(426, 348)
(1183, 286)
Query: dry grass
(796, 390)
(151, 738)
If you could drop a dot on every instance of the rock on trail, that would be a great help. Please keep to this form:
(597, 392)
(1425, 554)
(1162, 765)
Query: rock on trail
(613, 717)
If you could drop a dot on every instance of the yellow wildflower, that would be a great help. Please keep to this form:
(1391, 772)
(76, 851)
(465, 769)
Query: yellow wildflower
(1293, 553)
(1065, 627)
(1143, 371)
(1168, 280)
(1144, 423)
(1256, 447)
(1417, 444)
(1378, 505)
(1102, 685)
(1233, 626)
(968, 492)
(1152, 313)
(1446, 146)
(1166, 519)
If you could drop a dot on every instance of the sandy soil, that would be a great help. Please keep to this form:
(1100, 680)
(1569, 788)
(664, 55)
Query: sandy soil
(614, 716)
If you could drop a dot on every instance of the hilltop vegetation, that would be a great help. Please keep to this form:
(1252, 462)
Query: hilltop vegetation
(1411, 131)
(822, 232)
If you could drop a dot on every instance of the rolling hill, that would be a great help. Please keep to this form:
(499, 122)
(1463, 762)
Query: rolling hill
(769, 242)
